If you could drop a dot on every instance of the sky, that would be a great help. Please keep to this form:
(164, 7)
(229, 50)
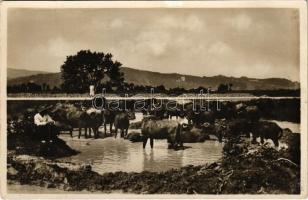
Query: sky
(257, 43)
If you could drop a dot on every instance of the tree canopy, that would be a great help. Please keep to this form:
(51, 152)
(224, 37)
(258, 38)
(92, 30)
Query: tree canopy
(89, 68)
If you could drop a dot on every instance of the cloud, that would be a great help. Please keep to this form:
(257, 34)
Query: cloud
(186, 23)
(165, 34)
(57, 48)
(99, 24)
(219, 48)
(147, 43)
(192, 41)
(116, 23)
(240, 22)
(60, 47)
(193, 23)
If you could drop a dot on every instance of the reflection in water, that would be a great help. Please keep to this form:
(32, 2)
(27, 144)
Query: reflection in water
(148, 159)
(160, 158)
(111, 155)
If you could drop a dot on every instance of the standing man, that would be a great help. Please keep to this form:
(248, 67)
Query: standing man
(44, 123)
(92, 92)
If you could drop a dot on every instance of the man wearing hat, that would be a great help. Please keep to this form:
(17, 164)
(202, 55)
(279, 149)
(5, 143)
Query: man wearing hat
(44, 123)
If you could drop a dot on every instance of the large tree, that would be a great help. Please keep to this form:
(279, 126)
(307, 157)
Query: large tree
(89, 68)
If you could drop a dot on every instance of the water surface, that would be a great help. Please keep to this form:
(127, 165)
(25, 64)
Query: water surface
(294, 127)
(116, 154)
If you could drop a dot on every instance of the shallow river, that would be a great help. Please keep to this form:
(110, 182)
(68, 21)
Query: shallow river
(294, 127)
(111, 155)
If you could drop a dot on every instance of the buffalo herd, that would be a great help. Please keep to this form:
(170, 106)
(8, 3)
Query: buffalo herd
(231, 119)
(69, 116)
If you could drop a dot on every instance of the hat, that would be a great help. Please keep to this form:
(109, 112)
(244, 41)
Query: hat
(44, 108)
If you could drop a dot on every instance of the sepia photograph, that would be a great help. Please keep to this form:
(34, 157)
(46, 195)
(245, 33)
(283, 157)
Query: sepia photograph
(190, 99)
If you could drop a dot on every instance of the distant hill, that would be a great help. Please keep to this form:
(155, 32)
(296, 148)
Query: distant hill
(17, 73)
(173, 80)
(170, 80)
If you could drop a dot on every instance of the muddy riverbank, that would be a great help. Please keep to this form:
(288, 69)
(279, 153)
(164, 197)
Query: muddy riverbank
(22, 141)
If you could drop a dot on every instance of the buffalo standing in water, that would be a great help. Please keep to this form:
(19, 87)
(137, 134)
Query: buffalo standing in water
(266, 130)
(95, 120)
(121, 122)
(161, 129)
(72, 116)
(109, 117)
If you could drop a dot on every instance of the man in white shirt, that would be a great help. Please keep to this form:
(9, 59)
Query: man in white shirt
(44, 123)
(40, 120)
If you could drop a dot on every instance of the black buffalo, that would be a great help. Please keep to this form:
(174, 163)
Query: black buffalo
(121, 122)
(266, 130)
